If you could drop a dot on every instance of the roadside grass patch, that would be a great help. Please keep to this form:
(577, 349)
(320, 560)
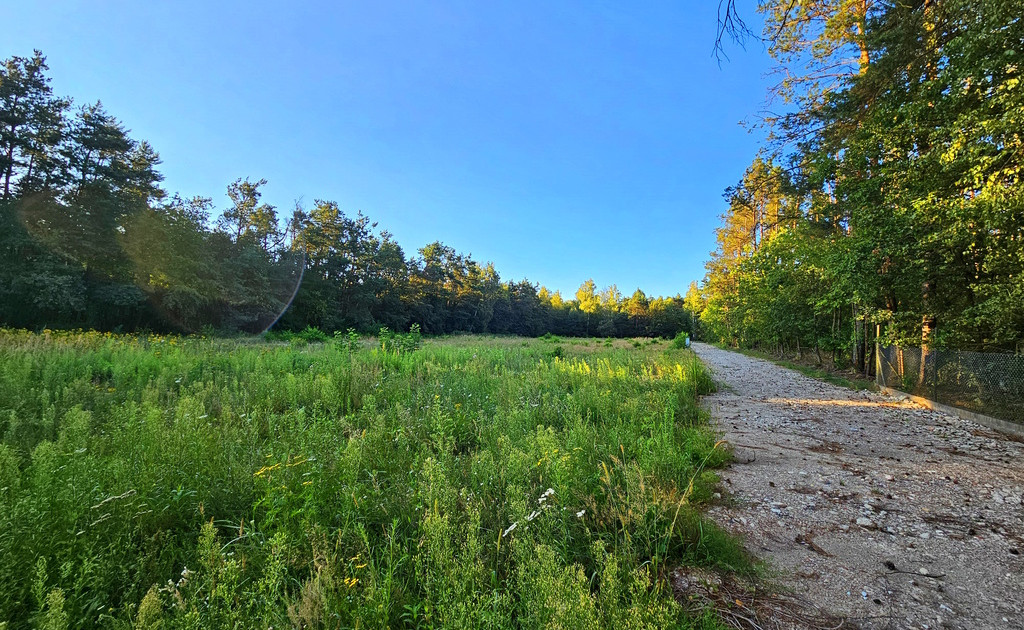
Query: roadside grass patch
(836, 377)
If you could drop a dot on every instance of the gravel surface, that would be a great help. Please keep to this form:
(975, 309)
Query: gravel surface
(868, 506)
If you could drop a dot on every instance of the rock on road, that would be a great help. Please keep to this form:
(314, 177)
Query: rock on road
(870, 507)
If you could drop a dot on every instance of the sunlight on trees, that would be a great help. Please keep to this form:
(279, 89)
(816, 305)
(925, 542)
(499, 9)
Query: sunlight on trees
(88, 238)
(890, 199)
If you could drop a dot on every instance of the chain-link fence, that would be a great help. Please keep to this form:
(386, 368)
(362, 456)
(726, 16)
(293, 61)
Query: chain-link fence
(983, 382)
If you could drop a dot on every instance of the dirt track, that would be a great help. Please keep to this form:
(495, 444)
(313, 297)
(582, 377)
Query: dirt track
(869, 507)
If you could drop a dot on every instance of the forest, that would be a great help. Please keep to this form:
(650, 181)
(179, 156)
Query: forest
(885, 203)
(887, 200)
(89, 239)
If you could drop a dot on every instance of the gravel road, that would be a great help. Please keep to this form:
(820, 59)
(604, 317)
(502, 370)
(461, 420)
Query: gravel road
(870, 507)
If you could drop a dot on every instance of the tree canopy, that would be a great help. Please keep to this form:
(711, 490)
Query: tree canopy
(89, 238)
(889, 197)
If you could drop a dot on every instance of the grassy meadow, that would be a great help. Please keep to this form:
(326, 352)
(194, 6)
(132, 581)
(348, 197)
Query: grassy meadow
(465, 482)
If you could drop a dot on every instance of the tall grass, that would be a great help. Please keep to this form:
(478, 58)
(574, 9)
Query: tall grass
(476, 482)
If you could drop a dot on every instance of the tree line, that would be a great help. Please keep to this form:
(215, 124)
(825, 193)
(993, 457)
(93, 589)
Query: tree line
(88, 238)
(887, 201)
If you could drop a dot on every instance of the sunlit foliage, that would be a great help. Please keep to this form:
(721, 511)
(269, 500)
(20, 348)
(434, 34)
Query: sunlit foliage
(179, 482)
(897, 184)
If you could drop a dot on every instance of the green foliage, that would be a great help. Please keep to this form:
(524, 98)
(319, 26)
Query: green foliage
(476, 482)
(902, 202)
(349, 339)
(312, 335)
(682, 340)
(400, 343)
(89, 238)
(301, 338)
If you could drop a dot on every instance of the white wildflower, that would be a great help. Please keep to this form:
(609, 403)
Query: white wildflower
(580, 513)
(509, 530)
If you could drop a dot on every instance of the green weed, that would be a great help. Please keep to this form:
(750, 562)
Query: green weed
(174, 482)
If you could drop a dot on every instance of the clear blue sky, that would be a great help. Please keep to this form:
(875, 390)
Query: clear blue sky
(560, 140)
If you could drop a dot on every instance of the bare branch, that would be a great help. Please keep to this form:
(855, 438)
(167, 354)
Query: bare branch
(730, 25)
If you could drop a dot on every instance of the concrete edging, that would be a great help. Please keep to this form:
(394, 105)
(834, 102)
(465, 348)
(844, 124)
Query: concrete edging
(1004, 426)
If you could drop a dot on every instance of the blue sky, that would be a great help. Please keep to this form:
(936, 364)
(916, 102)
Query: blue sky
(560, 140)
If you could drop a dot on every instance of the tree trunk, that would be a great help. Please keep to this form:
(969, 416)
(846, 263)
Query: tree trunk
(10, 167)
(927, 327)
(10, 153)
(28, 173)
(862, 44)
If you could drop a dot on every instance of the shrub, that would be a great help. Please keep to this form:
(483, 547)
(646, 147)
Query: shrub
(312, 335)
(277, 335)
(349, 339)
(681, 340)
(400, 343)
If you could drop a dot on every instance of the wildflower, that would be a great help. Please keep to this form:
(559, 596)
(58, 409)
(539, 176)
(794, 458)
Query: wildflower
(532, 515)
(266, 469)
(510, 529)
(580, 513)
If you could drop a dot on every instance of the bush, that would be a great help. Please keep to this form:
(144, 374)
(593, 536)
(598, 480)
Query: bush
(681, 340)
(277, 335)
(399, 343)
(349, 339)
(312, 335)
